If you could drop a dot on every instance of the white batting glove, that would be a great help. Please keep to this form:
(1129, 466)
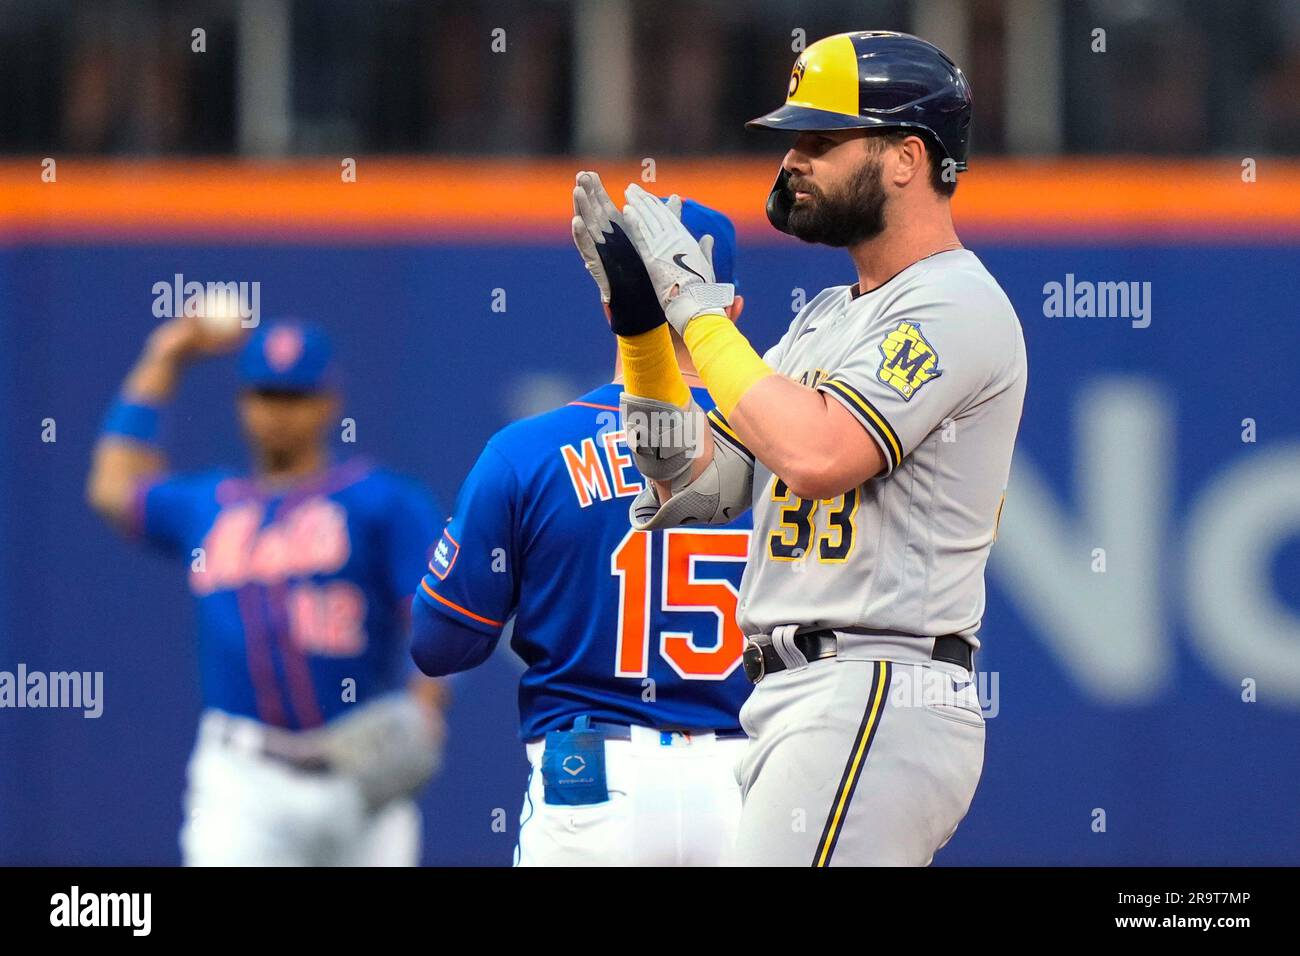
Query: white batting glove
(595, 218)
(680, 268)
(590, 258)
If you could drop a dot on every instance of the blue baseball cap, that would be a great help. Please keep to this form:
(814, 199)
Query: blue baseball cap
(288, 355)
(698, 220)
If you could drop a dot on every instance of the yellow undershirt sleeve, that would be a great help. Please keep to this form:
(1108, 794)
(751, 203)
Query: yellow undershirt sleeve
(650, 367)
(727, 363)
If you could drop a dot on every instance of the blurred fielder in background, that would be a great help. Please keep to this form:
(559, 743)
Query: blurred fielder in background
(629, 703)
(315, 733)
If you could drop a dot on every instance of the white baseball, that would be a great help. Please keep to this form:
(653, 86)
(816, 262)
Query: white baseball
(220, 314)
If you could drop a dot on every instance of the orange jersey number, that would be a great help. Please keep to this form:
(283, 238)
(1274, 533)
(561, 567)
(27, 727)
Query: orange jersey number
(683, 590)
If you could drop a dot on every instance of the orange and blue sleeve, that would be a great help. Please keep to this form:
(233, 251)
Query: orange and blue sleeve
(469, 592)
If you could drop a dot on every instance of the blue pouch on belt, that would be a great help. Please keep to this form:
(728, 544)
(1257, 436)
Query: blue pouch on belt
(573, 766)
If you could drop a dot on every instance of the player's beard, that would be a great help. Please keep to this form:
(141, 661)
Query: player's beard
(854, 215)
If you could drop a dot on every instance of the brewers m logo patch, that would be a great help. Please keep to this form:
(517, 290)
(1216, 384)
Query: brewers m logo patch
(909, 360)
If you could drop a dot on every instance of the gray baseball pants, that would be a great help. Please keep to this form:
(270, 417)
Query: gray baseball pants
(858, 762)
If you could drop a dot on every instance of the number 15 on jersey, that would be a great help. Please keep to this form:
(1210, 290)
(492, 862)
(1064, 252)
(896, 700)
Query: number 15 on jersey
(683, 587)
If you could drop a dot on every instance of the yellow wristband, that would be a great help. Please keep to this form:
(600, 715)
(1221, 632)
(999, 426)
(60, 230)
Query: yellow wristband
(650, 367)
(727, 363)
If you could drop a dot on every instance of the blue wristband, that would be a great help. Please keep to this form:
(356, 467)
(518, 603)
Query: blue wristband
(132, 420)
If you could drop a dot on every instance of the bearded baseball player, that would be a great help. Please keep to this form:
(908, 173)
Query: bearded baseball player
(873, 442)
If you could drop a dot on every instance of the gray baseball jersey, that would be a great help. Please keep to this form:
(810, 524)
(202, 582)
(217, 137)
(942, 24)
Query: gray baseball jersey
(932, 363)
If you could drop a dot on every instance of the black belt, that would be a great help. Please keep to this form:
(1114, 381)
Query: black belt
(762, 659)
(282, 746)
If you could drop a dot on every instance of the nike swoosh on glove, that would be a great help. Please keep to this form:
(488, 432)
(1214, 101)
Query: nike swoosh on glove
(680, 268)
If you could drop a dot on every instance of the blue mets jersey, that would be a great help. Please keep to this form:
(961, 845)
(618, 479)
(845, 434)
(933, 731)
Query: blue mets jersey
(624, 626)
(304, 591)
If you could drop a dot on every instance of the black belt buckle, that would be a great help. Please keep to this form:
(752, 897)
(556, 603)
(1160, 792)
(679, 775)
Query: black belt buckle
(753, 662)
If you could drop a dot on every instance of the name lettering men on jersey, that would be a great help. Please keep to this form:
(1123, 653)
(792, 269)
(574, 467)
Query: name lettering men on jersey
(629, 702)
(871, 531)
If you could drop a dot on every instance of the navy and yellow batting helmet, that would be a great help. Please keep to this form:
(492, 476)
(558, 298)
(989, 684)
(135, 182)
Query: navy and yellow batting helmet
(873, 79)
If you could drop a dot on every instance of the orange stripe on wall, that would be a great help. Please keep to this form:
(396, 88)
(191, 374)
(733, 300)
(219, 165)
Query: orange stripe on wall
(529, 200)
